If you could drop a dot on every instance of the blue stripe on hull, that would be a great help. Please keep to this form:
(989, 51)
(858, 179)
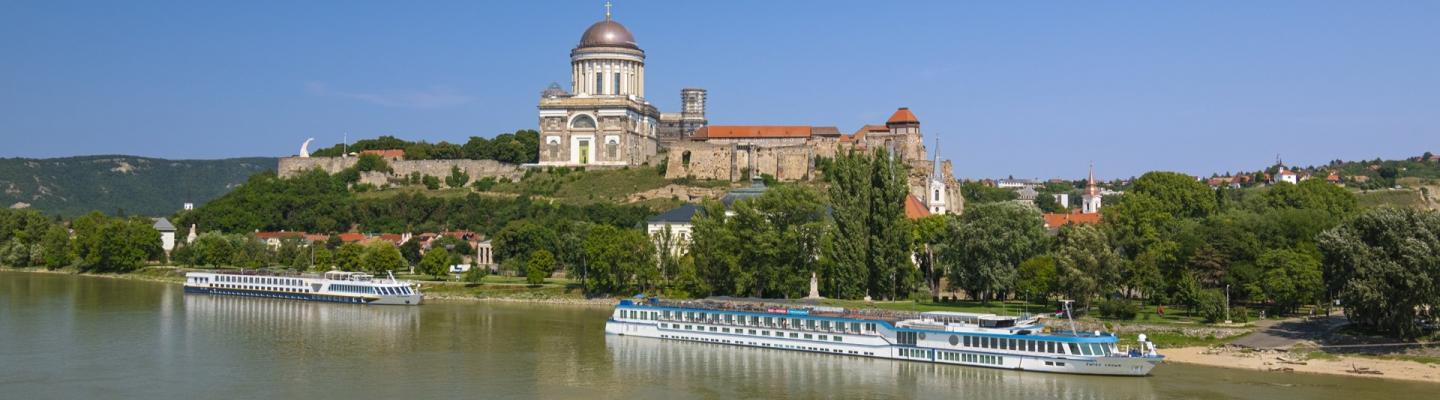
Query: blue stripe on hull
(274, 295)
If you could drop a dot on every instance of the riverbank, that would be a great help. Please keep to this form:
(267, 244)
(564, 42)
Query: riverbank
(1281, 361)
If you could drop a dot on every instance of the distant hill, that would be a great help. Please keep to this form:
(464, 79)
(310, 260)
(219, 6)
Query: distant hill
(137, 185)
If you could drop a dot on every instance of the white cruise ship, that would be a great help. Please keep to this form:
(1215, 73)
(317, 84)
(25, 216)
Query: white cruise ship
(334, 286)
(984, 340)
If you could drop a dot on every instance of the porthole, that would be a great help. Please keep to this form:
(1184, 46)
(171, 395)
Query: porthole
(954, 340)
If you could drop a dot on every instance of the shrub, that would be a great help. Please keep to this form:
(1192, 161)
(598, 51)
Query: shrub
(476, 273)
(431, 182)
(1118, 309)
(484, 184)
(1240, 314)
(1210, 305)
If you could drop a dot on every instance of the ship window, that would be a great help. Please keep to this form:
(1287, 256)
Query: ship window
(1074, 350)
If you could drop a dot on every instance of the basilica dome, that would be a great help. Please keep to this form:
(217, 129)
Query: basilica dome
(608, 33)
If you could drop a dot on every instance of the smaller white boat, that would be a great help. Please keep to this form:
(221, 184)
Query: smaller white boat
(333, 286)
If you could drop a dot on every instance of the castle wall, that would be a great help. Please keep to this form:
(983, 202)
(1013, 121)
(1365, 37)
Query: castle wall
(709, 160)
(477, 169)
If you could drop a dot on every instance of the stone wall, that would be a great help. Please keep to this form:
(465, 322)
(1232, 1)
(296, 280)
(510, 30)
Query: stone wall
(477, 169)
(730, 161)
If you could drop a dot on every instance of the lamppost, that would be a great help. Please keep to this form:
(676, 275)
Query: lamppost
(1227, 303)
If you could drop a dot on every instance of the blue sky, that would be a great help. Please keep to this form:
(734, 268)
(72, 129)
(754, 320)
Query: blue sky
(1030, 89)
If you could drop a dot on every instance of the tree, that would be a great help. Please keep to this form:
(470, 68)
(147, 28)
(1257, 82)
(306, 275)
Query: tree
(847, 246)
(1085, 265)
(348, 257)
(540, 265)
(990, 241)
(57, 248)
(381, 257)
(871, 241)
(458, 177)
(617, 259)
(1036, 278)
(431, 182)
(1314, 194)
(977, 193)
(411, 251)
(521, 237)
(1291, 278)
(1178, 194)
(476, 274)
(1384, 265)
(371, 162)
(436, 262)
(324, 258)
(116, 245)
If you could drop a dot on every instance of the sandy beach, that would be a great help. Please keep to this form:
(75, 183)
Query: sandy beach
(1283, 362)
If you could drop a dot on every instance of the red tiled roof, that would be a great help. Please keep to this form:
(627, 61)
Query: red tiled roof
(390, 153)
(753, 131)
(1056, 220)
(351, 237)
(317, 237)
(279, 235)
(914, 209)
(903, 115)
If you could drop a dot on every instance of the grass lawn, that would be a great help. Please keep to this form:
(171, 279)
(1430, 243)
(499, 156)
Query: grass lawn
(1173, 340)
(1405, 198)
(586, 187)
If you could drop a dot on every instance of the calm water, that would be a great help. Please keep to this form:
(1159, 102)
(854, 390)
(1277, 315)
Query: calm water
(65, 336)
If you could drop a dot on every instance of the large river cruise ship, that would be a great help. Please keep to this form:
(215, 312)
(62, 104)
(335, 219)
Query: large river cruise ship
(333, 286)
(983, 340)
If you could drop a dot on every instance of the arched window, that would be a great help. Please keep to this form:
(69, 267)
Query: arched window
(937, 194)
(685, 159)
(583, 122)
(612, 147)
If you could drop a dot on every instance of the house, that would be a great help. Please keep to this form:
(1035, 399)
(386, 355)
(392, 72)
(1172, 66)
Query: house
(275, 239)
(1286, 175)
(1014, 183)
(167, 233)
(351, 237)
(1053, 221)
(678, 220)
(1063, 199)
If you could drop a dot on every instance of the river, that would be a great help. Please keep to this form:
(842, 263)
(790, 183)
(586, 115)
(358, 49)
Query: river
(66, 336)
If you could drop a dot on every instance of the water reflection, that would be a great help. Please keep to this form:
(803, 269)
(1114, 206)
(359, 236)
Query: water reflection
(764, 372)
(302, 325)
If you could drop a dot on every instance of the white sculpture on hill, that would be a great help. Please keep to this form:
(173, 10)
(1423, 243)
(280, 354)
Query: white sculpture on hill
(305, 148)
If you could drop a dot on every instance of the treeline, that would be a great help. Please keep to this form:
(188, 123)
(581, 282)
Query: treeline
(321, 203)
(520, 147)
(214, 249)
(1169, 240)
(99, 243)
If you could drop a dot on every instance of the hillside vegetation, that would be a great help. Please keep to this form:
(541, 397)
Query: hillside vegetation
(71, 186)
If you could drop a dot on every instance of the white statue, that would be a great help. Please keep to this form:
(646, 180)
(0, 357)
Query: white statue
(191, 237)
(305, 148)
(814, 288)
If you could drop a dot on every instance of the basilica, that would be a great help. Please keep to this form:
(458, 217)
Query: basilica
(605, 120)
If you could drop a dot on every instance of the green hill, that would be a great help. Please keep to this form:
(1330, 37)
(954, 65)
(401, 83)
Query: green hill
(110, 183)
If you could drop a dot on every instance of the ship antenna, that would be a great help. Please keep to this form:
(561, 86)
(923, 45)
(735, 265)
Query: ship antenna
(1070, 315)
